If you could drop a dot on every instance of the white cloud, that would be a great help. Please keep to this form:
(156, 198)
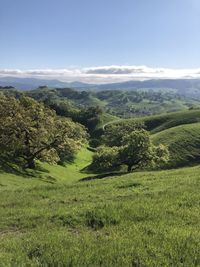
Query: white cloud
(104, 74)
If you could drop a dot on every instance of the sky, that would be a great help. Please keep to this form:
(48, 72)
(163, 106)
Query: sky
(100, 40)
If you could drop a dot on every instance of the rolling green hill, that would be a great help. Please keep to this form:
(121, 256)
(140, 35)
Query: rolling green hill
(122, 103)
(47, 174)
(139, 219)
(183, 142)
(64, 216)
(180, 131)
(55, 217)
(165, 121)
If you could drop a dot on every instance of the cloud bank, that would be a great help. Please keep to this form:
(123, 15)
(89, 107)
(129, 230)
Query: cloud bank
(104, 74)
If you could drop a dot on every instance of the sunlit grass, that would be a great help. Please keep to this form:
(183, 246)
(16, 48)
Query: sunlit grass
(139, 219)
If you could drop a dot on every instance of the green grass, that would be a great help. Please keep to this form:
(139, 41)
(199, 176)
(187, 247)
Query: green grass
(48, 174)
(165, 121)
(180, 131)
(106, 119)
(183, 142)
(139, 219)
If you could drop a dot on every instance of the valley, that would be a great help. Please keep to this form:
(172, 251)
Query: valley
(71, 216)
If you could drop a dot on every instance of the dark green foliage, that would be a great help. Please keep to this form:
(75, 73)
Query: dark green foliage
(30, 131)
(179, 131)
(115, 132)
(140, 102)
(90, 117)
(127, 144)
(63, 108)
(106, 159)
(135, 151)
(94, 142)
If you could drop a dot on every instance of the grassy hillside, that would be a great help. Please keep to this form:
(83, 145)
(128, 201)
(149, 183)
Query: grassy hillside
(180, 131)
(183, 142)
(164, 121)
(56, 217)
(144, 102)
(122, 103)
(47, 174)
(139, 219)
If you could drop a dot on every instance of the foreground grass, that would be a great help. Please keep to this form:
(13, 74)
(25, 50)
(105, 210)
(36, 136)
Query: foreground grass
(139, 219)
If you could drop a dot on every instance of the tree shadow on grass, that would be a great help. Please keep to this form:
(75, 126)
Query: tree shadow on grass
(7, 166)
(102, 176)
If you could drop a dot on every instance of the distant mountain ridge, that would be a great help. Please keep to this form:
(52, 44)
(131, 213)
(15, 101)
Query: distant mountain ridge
(33, 83)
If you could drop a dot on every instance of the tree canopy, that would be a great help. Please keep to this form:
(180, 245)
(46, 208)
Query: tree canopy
(31, 131)
(128, 145)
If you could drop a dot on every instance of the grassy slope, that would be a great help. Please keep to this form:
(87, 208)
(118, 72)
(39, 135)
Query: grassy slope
(126, 103)
(161, 122)
(106, 119)
(180, 131)
(121, 102)
(49, 174)
(183, 142)
(141, 219)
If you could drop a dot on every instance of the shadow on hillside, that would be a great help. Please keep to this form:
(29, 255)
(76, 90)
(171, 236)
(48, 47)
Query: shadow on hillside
(13, 168)
(102, 176)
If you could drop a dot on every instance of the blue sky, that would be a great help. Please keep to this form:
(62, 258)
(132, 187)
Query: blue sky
(60, 34)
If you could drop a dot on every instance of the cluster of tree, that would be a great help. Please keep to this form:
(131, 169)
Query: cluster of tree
(128, 144)
(125, 103)
(30, 131)
(77, 97)
(121, 103)
(90, 117)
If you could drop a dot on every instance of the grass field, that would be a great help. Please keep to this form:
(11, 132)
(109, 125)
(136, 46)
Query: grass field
(138, 219)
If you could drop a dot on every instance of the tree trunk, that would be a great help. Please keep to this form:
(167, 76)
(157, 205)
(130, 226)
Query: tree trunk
(30, 163)
(129, 168)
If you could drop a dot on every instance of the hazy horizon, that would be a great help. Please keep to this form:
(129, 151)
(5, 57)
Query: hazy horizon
(104, 74)
(100, 41)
